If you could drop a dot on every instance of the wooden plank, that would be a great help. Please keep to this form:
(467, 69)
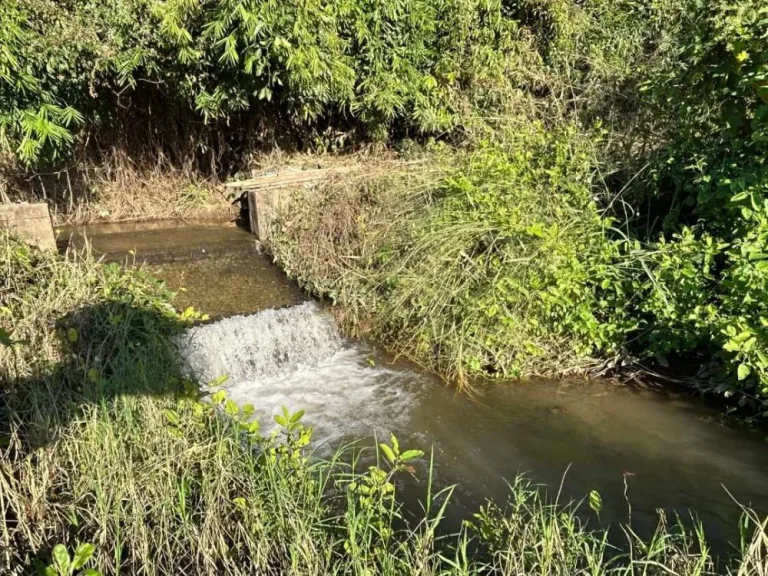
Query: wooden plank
(289, 177)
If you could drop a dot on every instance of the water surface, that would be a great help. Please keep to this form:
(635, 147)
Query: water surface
(213, 266)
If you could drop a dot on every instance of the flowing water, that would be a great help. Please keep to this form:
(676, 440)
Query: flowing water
(662, 448)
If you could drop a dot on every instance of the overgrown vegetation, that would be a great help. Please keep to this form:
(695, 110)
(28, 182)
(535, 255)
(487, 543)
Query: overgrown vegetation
(111, 461)
(597, 192)
(656, 114)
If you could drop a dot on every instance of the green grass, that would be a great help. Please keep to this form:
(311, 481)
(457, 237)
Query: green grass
(482, 262)
(102, 441)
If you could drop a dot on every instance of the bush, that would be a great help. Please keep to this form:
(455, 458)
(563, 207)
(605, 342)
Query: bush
(491, 266)
(71, 68)
(707, 186)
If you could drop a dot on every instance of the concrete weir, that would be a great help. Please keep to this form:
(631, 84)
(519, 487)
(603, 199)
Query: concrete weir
(262, 206)
(266, 191)
(31, 222)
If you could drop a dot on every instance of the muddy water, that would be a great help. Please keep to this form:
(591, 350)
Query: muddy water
(213, 266)
(666, 450)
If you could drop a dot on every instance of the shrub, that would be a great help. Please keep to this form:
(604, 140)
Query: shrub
(492, 266)
(707, 187)
(382, 67)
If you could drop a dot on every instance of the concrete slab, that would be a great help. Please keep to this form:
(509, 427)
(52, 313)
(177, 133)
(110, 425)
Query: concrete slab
(262, 208)
(31, 222)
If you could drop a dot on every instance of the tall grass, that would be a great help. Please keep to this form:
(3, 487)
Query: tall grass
(479, 262)
(105, 442)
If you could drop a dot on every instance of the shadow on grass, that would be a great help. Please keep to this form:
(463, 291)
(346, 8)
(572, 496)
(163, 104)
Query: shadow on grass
(108, 350)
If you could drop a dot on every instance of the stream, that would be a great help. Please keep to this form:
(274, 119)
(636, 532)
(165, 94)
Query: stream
(663, 448)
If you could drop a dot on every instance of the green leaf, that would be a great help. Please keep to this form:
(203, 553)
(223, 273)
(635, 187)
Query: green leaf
(172, 416)
(296, 416)
(395, 443)
(219, 381)
(72, 335)
(388, 454)
(231, 408)
(595, 501)
(218, 397)
(281, 420)
(743, 371)
(248, 410)
(61, 558)
(83, 553)
(411, 455)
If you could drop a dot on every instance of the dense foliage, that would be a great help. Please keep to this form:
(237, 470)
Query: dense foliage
(672, 98)
(71, 69)
(643, 123)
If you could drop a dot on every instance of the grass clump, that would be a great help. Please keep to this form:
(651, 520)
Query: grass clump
(108, 452)
(486, 263)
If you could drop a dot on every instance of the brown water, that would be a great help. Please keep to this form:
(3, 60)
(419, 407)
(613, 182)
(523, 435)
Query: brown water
(216, 267)
(673, 451)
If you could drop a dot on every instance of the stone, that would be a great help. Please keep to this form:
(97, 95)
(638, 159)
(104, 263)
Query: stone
(30, 222)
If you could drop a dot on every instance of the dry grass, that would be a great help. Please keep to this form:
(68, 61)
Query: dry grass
(118, 189)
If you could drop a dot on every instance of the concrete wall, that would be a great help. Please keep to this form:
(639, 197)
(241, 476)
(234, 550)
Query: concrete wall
(262, 206)
(30, 222)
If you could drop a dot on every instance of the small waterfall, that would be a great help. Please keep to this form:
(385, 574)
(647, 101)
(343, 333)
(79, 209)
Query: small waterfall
(263, 345)
(294, 357)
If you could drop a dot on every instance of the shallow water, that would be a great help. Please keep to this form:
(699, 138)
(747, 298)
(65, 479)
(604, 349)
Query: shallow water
(213, 266)
(671, 450)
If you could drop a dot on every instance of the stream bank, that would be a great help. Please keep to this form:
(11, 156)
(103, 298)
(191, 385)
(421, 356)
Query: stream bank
(666, 450)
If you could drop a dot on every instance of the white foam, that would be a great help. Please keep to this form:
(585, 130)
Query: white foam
(294, 357)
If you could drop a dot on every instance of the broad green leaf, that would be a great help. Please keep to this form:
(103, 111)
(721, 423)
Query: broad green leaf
(395, 443)
(231, 408)
(388, 454)
(83, 553)
(218, 381)
(72, 335)
(172, 416)
(595, 501)
(296, 416)
(61, 558)
(743, 371)
(218, 397)
(411, 455)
